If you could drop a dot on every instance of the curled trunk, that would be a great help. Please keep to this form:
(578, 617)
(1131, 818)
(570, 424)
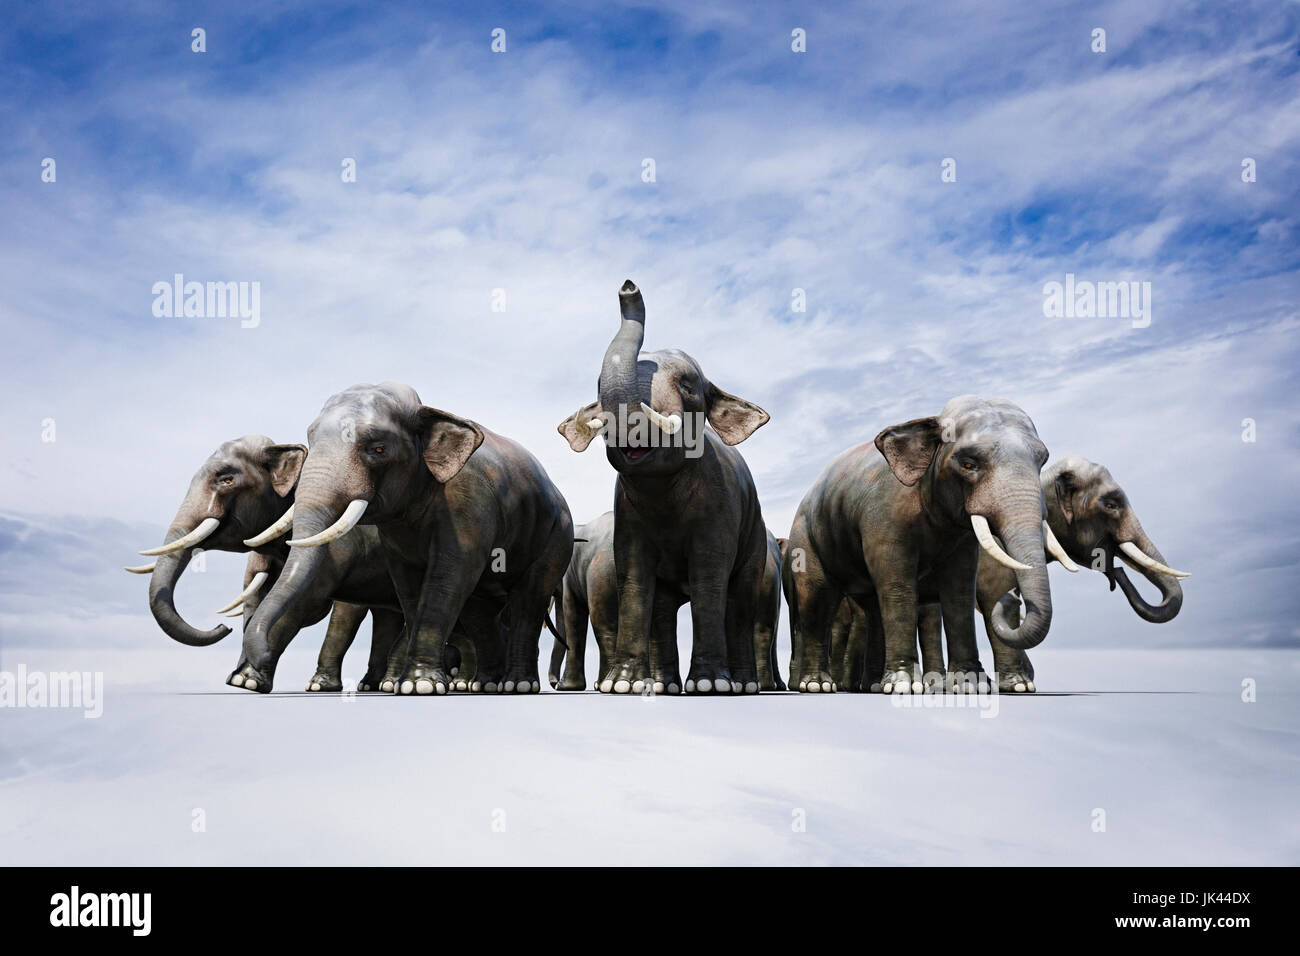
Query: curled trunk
(162, 599)
(1024, 542)
(1171, 591)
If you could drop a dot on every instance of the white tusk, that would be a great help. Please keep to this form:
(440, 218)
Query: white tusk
(985, 536)
(205, 528)
(668, 424)
(254, 586)
(1151, 564)
(351, 515)
(1055, 550)
(237, 612)
(595, 425)
(284, 523)
(142, 568)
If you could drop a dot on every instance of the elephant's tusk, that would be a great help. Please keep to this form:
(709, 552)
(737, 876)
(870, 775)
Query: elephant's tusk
(668, 424)
(254, 586)
(1055, 550)
(142, 568)
(347, 521)
(237, 612)
(1151, 564)
(987, 542)
(282, 525)
(205, 528)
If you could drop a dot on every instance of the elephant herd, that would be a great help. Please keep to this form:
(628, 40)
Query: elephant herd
(457, 543)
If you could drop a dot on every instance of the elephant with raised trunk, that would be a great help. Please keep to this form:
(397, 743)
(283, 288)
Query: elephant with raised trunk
(590, 593)
(687, 522)
(470, 528)
(245, 486)
(901, 522)
(1093, 520)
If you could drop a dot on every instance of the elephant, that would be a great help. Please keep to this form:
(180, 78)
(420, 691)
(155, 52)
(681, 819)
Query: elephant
(590, 591)
(1092, 518)
(687, 521)
(901, 522)
(470, 528)
(245, 485)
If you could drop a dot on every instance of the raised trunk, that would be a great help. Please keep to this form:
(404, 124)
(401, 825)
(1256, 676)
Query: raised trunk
(299, 569)
(162, 597)
(1171, 591)
(618, 381)
(1024, 542)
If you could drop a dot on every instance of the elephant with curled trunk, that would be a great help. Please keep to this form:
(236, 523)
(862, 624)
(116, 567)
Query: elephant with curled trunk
(590, 593)
(1094, 522)
(245, 486)
(901, 522)
(687, 522)
(470, 529)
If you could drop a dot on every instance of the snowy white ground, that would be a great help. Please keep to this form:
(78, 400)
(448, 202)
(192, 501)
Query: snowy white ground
(1185, 771)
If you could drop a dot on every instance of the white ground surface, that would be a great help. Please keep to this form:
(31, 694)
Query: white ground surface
(1186, 772)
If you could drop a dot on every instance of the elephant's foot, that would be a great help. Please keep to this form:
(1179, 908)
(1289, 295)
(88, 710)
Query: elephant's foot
(933, 681)
(423, 680)
(570, 683)
(631, 677)
(1016, 682)
(816, 682)
(715, 679)
(770, 684)
(665, 680)
(371, 683)
(520, 680)
(249, 678)
(325, 681)
(967, 679)
(904, 680)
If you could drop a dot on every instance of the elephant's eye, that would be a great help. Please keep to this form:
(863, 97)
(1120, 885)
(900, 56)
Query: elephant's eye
(967, 464)
(226, 481)
(377, 450)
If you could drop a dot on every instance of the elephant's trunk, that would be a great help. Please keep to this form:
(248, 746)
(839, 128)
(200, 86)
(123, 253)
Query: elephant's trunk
(1023, 538)
(299, 569)
(618, 379)
(1171, 591)
(162, 599)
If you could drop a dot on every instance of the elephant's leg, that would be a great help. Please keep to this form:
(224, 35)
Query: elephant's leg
(345, 621)
(710, 671)
(302, 614)
(873, 625)
(840, 640)
(929, 626)
(957, 601)
(571, 617)
(438, 599)
(665, 667)
(896, 592)
(634, 564)
(478, 635)
(741, 618)
(769, 677)
(385, 632)
(1011, 667)
(818, 603)
(854, 667)
(521, 626)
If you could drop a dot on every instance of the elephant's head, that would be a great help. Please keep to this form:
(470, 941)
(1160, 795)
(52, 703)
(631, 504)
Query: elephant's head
(246, 485)
(652, 406)
(979, 464)
(1094, 520)
(374, 453)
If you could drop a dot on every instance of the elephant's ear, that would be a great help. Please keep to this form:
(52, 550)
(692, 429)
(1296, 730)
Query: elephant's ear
(448, 441)
(284, 462)
(733, 418)
(578, 429)
(1066, 483)
(909, 448)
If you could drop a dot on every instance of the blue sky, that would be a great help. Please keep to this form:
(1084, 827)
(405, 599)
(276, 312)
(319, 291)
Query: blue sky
(775, 171)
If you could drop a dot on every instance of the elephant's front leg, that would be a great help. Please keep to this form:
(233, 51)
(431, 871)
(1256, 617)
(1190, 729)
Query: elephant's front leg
(896, 592)
(385, 636)
(929, 626)
(345, 621)
(957, 601)
(1011, 667)
(709, 671)
(634, 566)
(447, 584)
(665, 668)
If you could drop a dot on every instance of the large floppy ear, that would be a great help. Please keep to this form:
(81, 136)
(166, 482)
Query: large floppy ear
(284, 462)
(448, 441)
(734, 419)
(1066, 483)
(909, 448)
(582, 426)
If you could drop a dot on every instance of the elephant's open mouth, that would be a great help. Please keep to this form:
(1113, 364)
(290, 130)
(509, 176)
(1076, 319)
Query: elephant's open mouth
(636, 454)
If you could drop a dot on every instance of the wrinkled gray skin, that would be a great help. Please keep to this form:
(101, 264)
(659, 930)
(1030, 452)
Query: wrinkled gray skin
(248, 483)
(470, 527)
(1090, 515)
(590, 592)
(685, 528)
(889, 525)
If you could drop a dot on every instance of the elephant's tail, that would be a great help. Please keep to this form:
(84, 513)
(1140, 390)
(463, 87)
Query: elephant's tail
(561, 645)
